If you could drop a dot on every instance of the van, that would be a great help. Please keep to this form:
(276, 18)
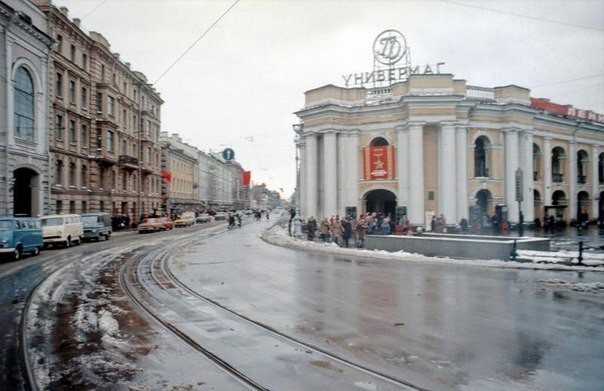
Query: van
(20, 235)
(96, 226)
(62, 229)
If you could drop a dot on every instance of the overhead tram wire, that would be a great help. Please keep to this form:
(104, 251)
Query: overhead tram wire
(522, 16)
(567, 81)
(196, 41)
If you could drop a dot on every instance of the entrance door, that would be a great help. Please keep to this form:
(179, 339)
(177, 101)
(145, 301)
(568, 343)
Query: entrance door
(380, 201)
(24, 200)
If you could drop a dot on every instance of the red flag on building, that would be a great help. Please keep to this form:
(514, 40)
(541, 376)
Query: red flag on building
(378, 162)
(246, 178)
(167, 176)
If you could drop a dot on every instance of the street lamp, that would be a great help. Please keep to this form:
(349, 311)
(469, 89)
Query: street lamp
(298, 129)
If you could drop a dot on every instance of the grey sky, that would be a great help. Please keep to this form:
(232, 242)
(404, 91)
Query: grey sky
(240, 84)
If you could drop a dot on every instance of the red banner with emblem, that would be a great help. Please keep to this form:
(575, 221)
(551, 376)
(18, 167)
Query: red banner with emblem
(378, 162)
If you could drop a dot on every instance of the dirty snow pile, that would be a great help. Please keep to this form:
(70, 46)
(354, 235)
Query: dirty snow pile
(278, 235)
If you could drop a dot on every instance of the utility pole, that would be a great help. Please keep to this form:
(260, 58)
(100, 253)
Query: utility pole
(519, 198)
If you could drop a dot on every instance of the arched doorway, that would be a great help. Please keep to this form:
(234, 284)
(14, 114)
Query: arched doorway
(380, 201)
(537, 203)
(26, 192)
(559, 204)
(583, 204)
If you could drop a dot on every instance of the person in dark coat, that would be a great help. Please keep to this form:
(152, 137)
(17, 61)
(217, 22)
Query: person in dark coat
(346, 230)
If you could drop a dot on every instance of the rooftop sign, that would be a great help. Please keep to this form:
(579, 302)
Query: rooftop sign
(390, 49)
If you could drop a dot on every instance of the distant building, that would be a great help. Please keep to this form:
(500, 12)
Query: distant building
(24, 159)
(104, 125)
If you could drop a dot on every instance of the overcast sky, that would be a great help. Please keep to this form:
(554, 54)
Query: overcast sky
(240, 84)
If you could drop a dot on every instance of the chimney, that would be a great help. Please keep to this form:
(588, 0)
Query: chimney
(77, 21)
(64, 10)
(128, 65)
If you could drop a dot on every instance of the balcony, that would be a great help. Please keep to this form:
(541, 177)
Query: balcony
(104, 159)
(557, 178)
(128, 162)
(581, 179)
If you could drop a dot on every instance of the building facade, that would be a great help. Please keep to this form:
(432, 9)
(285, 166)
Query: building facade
(432, 145)
(105, 124)
(24, 158)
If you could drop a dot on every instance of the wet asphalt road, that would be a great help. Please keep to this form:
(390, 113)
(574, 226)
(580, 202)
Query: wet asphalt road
(436, 326)
(440, 327)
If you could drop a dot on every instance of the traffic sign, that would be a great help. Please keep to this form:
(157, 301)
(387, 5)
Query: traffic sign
(228, 154)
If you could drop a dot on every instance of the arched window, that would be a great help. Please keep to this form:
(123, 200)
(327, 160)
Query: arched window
(557, 168)
(582, 160)
(378, 142)
(536, 162)
(24, 105)
(481, 168)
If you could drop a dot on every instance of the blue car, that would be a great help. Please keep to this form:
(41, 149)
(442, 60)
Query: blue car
(20, 235)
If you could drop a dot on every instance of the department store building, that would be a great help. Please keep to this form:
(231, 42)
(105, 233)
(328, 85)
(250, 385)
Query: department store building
(409, 140)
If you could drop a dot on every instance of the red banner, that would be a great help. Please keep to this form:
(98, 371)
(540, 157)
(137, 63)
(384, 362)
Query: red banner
(246, 177)
(167, 176)
(378, 162)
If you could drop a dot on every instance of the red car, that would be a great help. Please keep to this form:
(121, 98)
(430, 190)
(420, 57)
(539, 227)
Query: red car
(167, 223)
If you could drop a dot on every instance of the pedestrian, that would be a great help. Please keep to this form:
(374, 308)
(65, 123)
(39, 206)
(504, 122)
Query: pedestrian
(360, 229)
(336, 230)
(324, 230)
(311, 227)
(347, 230)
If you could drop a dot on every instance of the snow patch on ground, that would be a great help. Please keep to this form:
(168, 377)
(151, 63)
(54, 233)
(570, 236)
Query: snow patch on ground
(278, 235)
(594, 287)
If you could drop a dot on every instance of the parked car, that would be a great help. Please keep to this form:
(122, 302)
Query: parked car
(151, 224)
(19, 235)
(96, 226)
(220, 216)
(167, 223)
(62, 229)
(185, 220)
(203, 218)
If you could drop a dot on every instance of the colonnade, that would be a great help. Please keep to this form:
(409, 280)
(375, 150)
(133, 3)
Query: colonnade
(330, 172)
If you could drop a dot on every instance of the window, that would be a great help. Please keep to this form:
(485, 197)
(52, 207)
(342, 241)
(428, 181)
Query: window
(124, 147)
(84, 61)
(110, 104)
(84, 135)
(59, 85)
(84, 176)
(110, 141)
(72, 91)
(59, 173)
(99, 102)
(84, 98)
(72, 53)
(480, 157)
(59, 207)
(99, 138)
(72, 208)
(101, 183)
(125, 182)
(72, 131)
(72, 174)
(59, 44)
(102, 72)
(24, 105)
(59, 127)
(84, 207)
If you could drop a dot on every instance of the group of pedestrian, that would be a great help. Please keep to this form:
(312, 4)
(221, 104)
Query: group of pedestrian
(339, 231)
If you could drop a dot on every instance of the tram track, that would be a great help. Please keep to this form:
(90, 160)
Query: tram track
(145, 274)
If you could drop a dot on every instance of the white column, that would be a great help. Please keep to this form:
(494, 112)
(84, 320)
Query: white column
(571, 179)
(330, 178)
(447, 198)
(528, 205)
(402, 166)
(461, 146)
(511, 164)
(312, 176)
(303, 207)
(349, 170)
(547, 168)
(595, 193)
(416, 175)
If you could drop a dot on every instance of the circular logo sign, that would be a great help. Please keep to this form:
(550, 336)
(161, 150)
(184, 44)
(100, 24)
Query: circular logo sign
(389, 47)
(228, 154)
